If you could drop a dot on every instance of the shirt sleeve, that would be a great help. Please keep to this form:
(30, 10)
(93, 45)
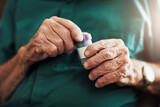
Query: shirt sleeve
(7, 30)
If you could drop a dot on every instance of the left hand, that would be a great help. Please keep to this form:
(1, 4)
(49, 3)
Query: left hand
(111, 63)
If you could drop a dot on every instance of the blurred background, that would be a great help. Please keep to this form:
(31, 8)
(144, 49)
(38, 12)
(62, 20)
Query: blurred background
(2, 5)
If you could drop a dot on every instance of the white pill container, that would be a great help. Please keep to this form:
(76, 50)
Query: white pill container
(81, 46)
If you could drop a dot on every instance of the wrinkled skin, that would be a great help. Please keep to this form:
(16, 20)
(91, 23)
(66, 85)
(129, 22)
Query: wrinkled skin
(55, 36)
(109, 59)
(110, 62)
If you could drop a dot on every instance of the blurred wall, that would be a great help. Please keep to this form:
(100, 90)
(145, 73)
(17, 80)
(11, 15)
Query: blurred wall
(2, 5)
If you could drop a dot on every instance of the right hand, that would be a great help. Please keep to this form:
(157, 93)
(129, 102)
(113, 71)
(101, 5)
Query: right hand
(55, 36)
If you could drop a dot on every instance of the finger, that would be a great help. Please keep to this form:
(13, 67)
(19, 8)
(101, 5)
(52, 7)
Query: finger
(104, 55)
(76, 32)
(55, 39)
(127, 75)
(117, 76)
(49, 48)
(98, 46)
(109, 78)
(94, 74)
(107, 67)
(63, 33)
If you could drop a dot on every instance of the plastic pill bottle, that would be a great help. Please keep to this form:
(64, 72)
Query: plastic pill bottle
(81, 46)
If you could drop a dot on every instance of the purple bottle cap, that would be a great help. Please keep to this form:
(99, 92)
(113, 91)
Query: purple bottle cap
(86, 36)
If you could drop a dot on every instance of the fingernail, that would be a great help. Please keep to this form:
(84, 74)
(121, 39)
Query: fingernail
(87, 53)
(85, 64)
(90, 77)
(97, 85)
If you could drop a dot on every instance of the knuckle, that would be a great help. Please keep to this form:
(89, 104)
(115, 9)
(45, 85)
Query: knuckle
(42, 29)
(105, 43)
(55, 25)
(46, 22)
(37, 41)
(105, 54)
(53, 17)
(102, 42)
(114, 66)
(37, 51)
(126, 60)
(126, 51)
(53, 49)
(39, 38)
(123, 72)
(123, 81)
(121, 41)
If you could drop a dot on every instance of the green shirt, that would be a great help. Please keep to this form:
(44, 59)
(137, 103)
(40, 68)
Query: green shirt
(62, 81)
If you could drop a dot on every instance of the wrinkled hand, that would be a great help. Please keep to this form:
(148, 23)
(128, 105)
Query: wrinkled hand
(110, 63)
(55, 36)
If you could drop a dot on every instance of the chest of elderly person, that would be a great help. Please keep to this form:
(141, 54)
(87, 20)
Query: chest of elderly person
(62, 81)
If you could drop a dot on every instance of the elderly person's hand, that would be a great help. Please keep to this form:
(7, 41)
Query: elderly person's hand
(55, 36)
(110, 63)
